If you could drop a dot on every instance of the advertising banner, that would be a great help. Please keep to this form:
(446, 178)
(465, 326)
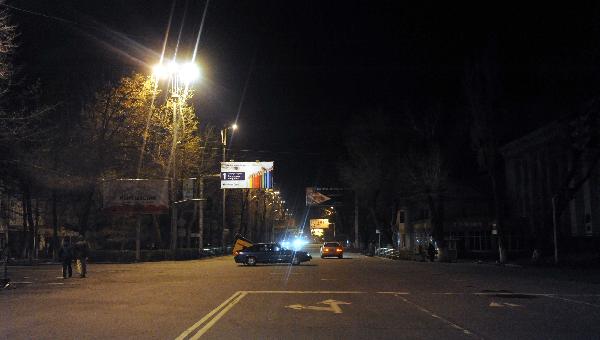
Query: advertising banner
(246, 175)
(325, 197)
(319, 223)
(141, 196)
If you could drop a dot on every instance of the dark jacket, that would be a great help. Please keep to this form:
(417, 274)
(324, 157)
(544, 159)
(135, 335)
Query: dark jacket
(65, 253)
(81, 250)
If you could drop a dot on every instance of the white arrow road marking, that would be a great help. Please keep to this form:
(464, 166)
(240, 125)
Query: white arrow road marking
(333, 306)
(504, 304)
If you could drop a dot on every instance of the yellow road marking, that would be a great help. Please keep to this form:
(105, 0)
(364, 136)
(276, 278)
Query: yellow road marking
(218, 316)
(206, 317)
(301, 292)
(333, 306)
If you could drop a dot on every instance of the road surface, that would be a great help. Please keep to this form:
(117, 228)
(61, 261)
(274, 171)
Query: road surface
(356, 297)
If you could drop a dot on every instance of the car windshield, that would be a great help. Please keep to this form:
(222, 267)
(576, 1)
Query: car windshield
(331, 244)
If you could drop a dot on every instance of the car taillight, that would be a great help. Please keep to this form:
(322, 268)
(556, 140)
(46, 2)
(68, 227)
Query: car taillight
(338, 249)
(236, 253)
(325, 250)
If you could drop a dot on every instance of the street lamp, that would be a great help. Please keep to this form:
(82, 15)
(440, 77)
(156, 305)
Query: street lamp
(178, 77)
(224, 133)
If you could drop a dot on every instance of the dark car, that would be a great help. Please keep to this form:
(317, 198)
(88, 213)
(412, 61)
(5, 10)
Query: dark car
(270, 253)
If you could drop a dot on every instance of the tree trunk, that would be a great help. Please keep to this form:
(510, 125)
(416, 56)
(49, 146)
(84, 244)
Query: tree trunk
(499, 214)
(436, 207)
(54, 227)
(158, 235)
(24, 235)
(85, 214)
(31, 229)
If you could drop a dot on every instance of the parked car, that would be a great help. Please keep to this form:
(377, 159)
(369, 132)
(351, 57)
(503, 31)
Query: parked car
(332, 249)
(270, 253)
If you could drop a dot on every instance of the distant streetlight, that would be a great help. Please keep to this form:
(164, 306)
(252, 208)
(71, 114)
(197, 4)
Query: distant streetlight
(179, 77)
(224, 134)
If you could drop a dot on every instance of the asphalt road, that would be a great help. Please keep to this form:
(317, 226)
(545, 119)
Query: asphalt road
(353, 298)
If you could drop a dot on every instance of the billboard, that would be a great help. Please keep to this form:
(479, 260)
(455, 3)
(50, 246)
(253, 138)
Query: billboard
(319, 223)
(246, 175)
(141, 196)
(325, 197)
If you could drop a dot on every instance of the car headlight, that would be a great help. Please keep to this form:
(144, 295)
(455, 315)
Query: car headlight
(298, 243)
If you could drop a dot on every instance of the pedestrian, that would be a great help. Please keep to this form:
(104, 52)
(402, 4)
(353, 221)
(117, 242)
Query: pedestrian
(431, 251)
(371, 250)
(66, 258)
(81, 252)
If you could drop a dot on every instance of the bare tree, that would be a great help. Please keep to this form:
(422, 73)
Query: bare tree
(369, 169)
(424, 167)
(483, 94)
(583, 148)
(23, 131)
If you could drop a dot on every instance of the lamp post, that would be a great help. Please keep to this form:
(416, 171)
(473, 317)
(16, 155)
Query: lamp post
(224, 133)
(178, 78)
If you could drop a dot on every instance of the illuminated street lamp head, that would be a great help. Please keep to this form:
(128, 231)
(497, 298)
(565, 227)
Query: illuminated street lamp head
(188, 72)
(234, 127)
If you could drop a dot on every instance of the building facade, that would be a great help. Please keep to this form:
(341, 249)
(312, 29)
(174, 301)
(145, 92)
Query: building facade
(468, 223)
(536, 167)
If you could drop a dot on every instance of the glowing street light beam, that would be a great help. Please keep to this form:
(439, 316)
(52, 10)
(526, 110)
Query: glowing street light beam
(187, 73)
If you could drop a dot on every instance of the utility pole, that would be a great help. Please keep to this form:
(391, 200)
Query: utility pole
(201, 215)
(356, 245)
(554, 221)
(175, 97)
(224, 143)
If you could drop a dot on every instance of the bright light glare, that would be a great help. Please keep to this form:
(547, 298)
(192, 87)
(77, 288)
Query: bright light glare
(172, 67)
(234, 126)
(189, 72)
(298, 243)
(159, 71)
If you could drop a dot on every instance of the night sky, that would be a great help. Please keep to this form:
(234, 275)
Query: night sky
(310, 66)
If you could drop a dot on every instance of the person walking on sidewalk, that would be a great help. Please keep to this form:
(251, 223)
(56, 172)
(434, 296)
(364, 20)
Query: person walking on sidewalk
(66, 258)
(81, 252)
(431, 251)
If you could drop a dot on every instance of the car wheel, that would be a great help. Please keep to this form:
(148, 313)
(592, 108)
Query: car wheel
(341, 257)
(251, 261)
(295, 261)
